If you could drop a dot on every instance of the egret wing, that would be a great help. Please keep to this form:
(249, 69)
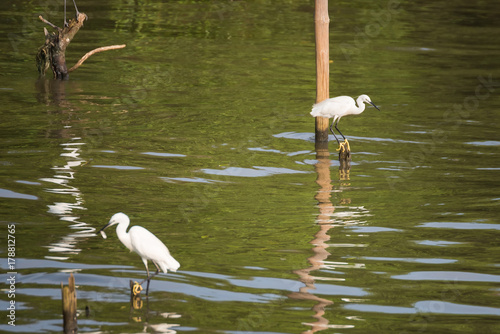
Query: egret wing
(333, 107)
(149, 247)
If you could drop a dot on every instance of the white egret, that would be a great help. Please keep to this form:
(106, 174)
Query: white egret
(340, 106)
(144, 243)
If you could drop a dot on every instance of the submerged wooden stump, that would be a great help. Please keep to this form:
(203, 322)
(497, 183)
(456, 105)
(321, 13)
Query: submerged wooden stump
(53, 53)
(69, 306)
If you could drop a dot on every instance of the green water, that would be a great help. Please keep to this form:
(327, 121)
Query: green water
(200, 131)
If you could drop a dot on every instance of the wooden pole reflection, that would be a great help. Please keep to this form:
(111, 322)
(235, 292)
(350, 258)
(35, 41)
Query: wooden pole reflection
(326, 209)
(53, 92)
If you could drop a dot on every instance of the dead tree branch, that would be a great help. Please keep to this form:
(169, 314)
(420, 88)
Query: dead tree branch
(90, 53)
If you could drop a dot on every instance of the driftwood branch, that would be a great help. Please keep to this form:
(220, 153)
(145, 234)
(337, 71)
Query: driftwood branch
(53, 53)
(90, 53)
(50, 24)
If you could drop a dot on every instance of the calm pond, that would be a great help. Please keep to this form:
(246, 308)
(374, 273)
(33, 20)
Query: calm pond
(200, 131)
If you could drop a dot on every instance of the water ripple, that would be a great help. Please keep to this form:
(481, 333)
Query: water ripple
(256, 171)
(484, 143)
(410, 260)
(117, 167)
(372, 229)
(438, 243)
(167, 155)
(462, 226)
(310, 137)
(188, 179)
(460, 276)
(12, 194)
(426, 306)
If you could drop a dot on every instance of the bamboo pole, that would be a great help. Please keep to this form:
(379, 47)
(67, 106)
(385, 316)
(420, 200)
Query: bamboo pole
(322, 22)
(69, 306)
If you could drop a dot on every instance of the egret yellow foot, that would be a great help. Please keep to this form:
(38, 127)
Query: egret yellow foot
(344, 146)
(137, 304)
(136, 289)
(346, 143)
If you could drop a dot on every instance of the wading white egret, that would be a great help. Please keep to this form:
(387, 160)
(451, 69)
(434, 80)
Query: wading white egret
(340, 106)
(144, 243)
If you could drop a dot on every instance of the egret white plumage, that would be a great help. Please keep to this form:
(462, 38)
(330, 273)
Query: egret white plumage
(146, 244)
(340, 106)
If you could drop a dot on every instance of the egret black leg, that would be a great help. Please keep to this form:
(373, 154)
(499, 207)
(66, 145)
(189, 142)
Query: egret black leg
(338, 129)
(147, 278)
(157, 270)
(150, 277)
(331, 129)
(138, 286)
(342, 147)
(147, 287)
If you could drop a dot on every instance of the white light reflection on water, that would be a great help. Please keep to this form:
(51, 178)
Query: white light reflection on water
(256, 171)
(462, 226)
(65, 210)
(5, 193)
(426, 306)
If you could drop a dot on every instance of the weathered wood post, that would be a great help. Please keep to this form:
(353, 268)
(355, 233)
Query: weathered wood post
(69, 306)
(322, 22)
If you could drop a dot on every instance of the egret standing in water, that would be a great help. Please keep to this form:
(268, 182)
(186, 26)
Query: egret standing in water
(339, 106)
(144, 243)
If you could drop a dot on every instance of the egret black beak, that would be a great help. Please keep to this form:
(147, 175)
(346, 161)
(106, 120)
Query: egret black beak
(103, 228)
(373, 104)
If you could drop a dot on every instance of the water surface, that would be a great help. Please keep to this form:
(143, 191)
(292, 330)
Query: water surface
(200, 131)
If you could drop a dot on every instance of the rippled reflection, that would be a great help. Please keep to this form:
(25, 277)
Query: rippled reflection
(327, 219)
(66, 211)
(140, 311)
(326, 209)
